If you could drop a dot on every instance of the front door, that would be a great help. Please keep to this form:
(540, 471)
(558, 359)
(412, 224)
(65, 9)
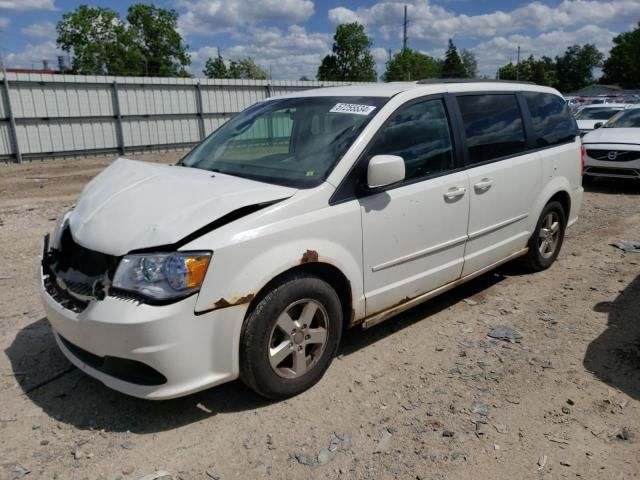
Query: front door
(414, 234)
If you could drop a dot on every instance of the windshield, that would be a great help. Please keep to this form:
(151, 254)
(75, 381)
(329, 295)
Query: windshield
(625, 119)
(603, 113)
(293, 141)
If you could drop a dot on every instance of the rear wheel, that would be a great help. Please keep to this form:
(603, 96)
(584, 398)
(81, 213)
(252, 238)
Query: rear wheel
(290, 337)
(546, 241)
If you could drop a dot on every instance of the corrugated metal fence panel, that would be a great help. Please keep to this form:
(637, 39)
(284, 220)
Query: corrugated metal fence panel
(67, 136)
(80, 114)
(5, 139)
(156, 100)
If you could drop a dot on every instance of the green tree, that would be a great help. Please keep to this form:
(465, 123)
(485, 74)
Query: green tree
(540, 71)
(622, 67)
(99, 41)
(574, 69)
(452, 66)
(215, 68)
(469, 63)
(351, 59)
(155, 34)
(103, 44)
(411, 65)
(246, 68)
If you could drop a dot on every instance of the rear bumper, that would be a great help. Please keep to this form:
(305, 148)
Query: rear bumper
(121, 343)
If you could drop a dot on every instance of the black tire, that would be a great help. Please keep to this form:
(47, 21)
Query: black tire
(260, 331)
(535, 260)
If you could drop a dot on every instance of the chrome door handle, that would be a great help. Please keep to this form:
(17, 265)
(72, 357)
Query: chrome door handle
(454, 193)
(483, 185)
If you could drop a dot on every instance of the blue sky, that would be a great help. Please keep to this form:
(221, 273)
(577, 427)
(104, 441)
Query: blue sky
(290, 37)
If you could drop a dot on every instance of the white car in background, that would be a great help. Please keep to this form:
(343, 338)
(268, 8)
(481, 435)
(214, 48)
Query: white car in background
(614, 149)
(590, 115)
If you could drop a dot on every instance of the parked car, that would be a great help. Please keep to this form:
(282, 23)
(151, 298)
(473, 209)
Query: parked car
(589, 115)
(614, 150)
(303, 215)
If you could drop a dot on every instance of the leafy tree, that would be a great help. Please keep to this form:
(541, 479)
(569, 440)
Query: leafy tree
(215, 68)
(103, 44)
(411, 65)
(155, 34)
(246, 68)
(304, 78)
(622, 67)
(452, 66)
(540, 71)
(99, 41)
(469, 63)
(351, 59)
(574, 69)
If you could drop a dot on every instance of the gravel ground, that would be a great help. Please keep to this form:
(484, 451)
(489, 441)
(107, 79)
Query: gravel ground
(427, 395)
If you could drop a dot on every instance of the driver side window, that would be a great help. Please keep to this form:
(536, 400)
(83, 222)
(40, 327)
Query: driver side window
(420, 134)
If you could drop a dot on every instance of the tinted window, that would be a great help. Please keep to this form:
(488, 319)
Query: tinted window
(597, 113)
(552, 121)
(493, 126)
(420, 135)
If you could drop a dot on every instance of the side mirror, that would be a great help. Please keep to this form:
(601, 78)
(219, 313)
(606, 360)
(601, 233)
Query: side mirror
(598, 125)
(384, 170)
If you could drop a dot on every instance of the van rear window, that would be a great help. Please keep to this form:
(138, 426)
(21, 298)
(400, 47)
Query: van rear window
(552, 121)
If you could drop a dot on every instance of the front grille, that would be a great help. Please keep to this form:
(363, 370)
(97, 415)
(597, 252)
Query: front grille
(613, 172)
(614, 155)
(123, 369)
(74, 274)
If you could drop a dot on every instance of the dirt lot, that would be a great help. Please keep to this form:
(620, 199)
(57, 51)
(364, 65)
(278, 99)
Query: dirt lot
(427, 395)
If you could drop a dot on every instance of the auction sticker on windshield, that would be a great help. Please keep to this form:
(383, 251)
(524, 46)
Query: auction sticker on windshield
(353, 108)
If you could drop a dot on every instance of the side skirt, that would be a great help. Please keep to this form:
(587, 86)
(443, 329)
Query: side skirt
(412, 302)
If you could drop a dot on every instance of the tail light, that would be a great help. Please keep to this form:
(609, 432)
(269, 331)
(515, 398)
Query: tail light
(582, 153)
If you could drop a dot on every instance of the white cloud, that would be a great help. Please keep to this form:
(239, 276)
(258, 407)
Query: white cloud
(33, 55)
(288, 54)
(214, 16)
(434, 24)
(27, 5)
(42, 30)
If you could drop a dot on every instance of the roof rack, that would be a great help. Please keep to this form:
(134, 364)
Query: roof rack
(429, 81)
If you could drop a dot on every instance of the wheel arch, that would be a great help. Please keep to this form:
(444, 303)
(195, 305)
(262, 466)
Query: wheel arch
(325, 271)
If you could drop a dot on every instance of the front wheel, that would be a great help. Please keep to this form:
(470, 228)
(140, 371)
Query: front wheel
(546, 241)
(290, 337)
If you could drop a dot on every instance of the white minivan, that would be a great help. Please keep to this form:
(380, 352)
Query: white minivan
(304, 215)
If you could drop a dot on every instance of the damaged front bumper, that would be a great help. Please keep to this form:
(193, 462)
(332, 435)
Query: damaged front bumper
(147, 351)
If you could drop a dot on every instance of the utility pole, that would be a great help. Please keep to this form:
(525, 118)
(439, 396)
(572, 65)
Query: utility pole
(518, 65)
(404, 36)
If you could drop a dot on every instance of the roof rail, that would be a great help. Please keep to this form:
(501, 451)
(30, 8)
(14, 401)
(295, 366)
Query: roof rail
(429, 81)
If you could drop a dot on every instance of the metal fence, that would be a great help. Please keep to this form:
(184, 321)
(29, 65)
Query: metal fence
(47, 115)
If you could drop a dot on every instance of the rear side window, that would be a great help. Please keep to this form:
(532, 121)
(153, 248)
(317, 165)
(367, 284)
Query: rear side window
(418, 133)
(552, 121)
(493, 126)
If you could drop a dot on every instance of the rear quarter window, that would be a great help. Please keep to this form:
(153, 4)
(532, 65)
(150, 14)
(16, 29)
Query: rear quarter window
(552, 121)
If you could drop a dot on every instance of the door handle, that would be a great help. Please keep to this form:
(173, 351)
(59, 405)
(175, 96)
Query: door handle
(454, 193)
(483, 185)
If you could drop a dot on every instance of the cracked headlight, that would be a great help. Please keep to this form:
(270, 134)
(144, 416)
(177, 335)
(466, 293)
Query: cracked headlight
(162, 276)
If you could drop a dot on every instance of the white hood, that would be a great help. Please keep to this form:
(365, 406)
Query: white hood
(613, 135)
(133, 205)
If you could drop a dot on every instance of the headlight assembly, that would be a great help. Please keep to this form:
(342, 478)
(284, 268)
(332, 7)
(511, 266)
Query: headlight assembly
(162, 276)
